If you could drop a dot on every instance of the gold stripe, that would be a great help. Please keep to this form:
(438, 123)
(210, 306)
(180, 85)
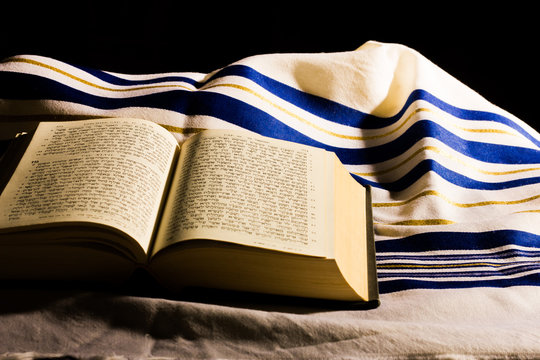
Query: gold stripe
(449, 156)
(181, 130)
(421, 222)
(451, 202)
(527, 211)
(76, 78)
(492, 131)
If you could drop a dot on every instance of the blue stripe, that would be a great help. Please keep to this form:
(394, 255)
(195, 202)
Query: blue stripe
(455, 178)
(508, 275)
(115, 80)
(459, 241)
(407, 284)
(28, 87)
(486, 152)
(463, 257)
(314, 104)
(473, 115)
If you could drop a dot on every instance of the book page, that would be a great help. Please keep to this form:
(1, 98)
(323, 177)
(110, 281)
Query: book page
(108, 171)
(244, 188)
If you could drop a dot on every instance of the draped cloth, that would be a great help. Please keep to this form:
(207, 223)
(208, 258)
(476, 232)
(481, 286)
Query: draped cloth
(456, 204)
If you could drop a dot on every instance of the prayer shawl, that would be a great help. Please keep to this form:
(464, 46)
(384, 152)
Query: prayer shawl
(456, 201)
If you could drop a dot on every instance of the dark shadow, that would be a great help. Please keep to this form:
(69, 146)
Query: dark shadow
(28, 296)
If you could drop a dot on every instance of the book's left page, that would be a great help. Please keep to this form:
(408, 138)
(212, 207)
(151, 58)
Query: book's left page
(111, 172)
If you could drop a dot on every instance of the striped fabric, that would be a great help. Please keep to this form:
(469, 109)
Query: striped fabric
(456, 180)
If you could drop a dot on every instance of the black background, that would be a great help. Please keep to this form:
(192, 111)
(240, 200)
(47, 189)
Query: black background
(492, 49)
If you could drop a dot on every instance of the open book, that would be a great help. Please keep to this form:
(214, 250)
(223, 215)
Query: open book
(95, 199)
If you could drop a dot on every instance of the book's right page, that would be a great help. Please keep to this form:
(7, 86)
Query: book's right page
(237, 186)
